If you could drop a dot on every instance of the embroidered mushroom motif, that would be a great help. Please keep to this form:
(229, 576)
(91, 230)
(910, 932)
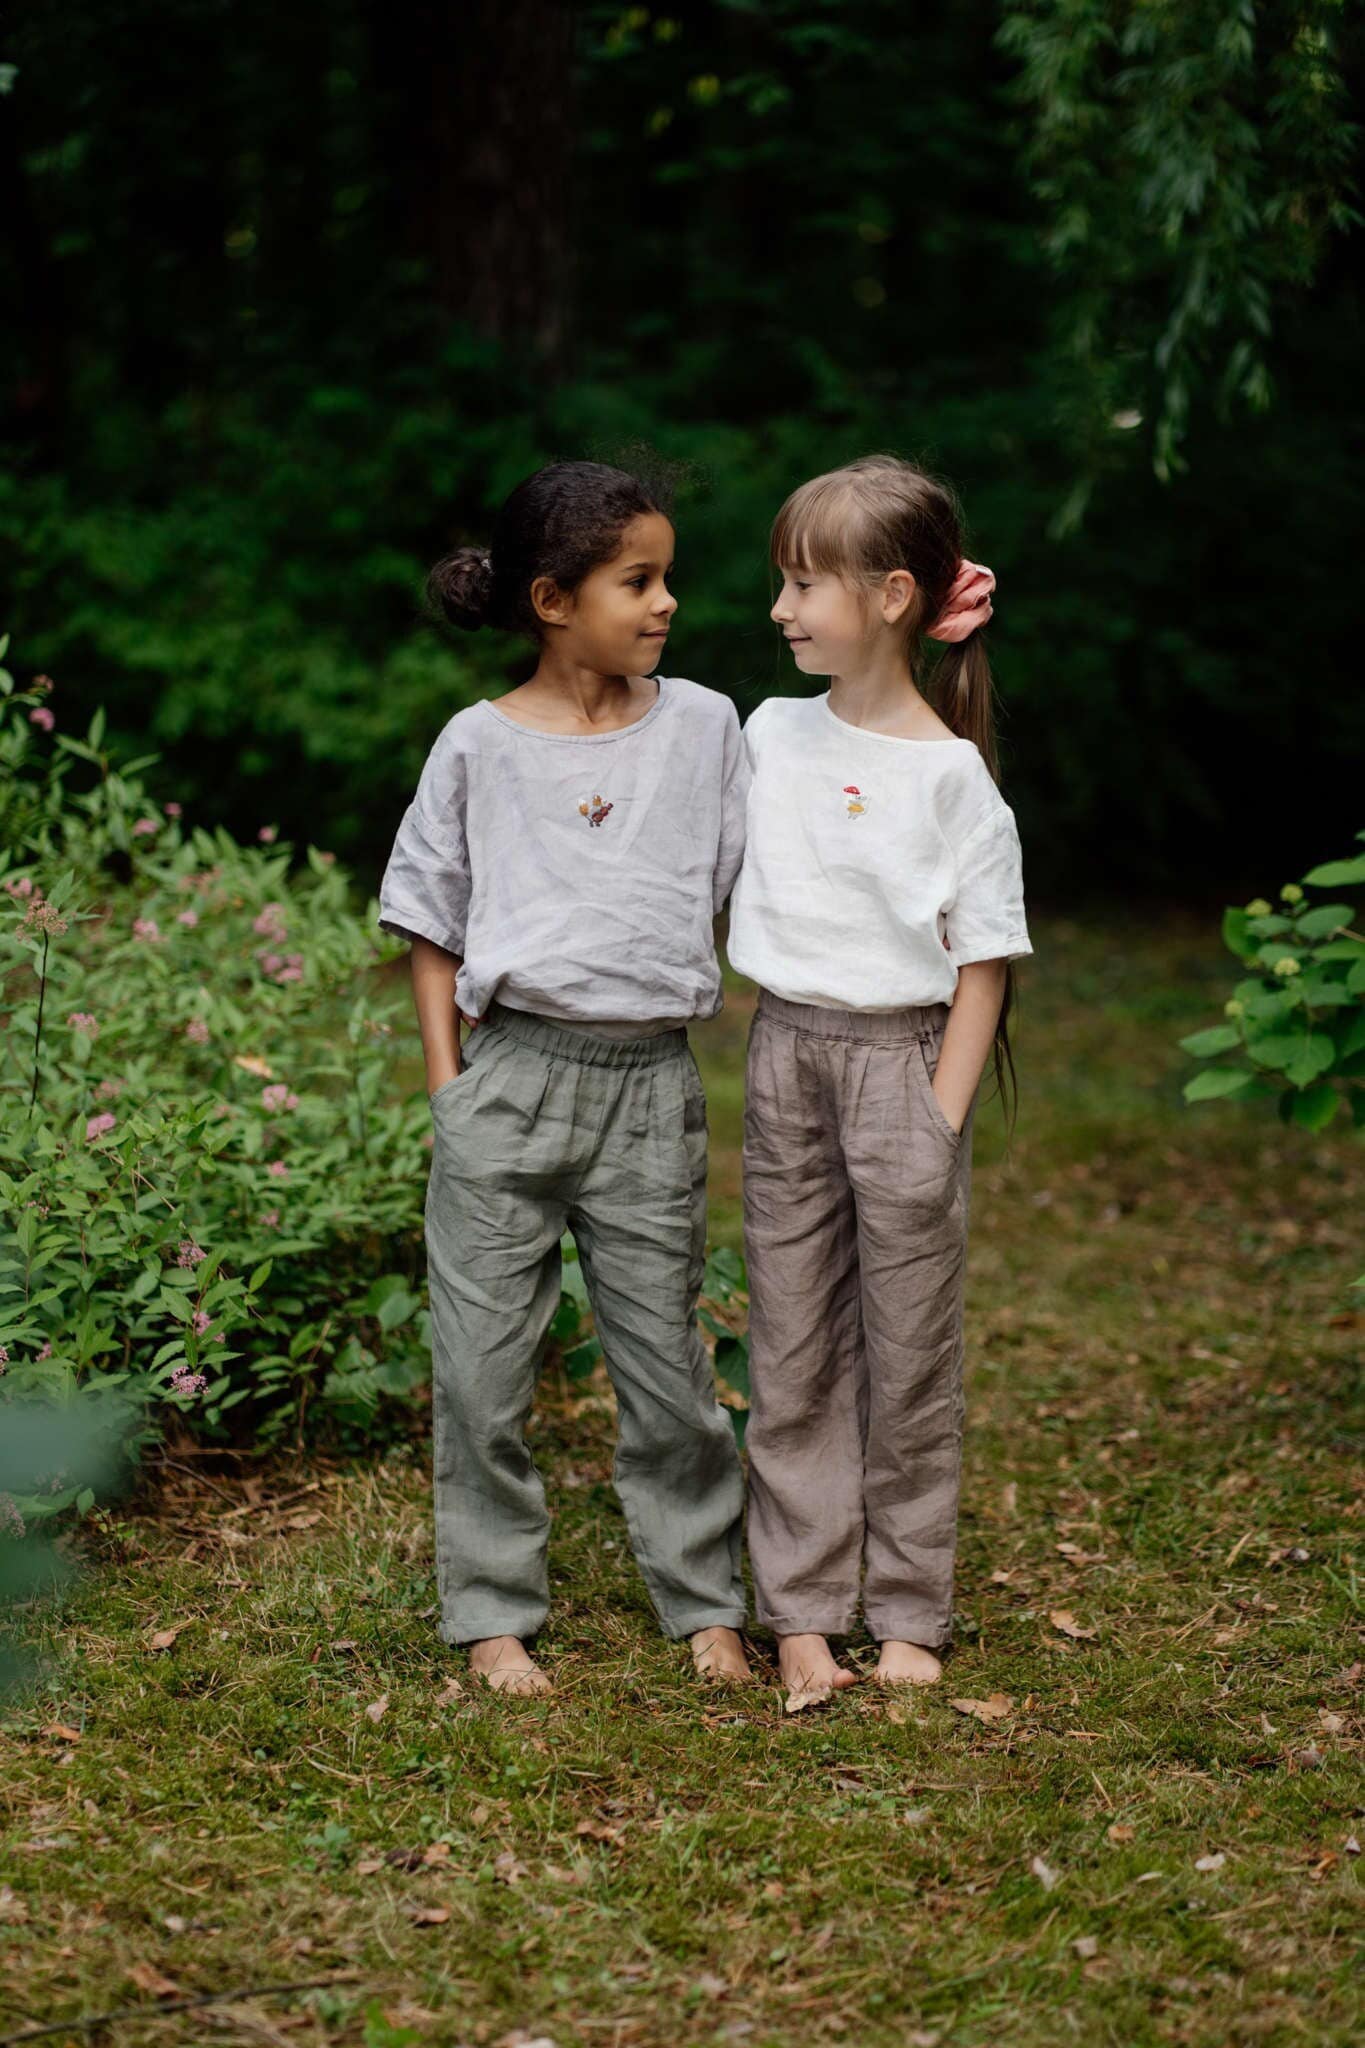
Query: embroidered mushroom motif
(856, 805)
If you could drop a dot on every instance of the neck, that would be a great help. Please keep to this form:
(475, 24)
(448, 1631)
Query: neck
(585, 691)
(877, 693)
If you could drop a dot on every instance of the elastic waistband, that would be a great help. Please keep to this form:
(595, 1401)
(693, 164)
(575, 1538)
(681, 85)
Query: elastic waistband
(555, 1042)
(866, 1027)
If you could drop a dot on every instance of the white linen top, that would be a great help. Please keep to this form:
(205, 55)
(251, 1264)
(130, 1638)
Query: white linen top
(875, 867)
(577, 875)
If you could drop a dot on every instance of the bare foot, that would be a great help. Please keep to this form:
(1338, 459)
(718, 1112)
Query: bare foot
(907, 1664)
(809, 1671)
(718, 1654)
(503, 1665)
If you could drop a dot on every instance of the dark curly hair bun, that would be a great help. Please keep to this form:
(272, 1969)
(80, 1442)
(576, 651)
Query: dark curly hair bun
(460, 587)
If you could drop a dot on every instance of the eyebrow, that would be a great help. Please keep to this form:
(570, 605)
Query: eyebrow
(631, 567)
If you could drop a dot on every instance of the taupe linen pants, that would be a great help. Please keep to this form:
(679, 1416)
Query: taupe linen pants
(549, 1129)
(856, 1192)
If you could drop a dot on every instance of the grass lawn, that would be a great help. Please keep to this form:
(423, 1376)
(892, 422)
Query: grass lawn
(1149, 1836)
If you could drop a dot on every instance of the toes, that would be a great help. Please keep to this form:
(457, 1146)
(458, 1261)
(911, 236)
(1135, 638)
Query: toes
(844, 1678)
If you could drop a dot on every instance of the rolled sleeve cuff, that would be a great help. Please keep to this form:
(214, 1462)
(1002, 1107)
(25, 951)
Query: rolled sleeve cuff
(418, 924)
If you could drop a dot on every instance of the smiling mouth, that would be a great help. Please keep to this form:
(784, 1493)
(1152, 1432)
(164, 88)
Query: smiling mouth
(654, 636)
(797, 639)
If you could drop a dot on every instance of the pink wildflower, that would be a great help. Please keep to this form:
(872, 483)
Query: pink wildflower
(189, 918)
(270, 963)
(20, 885)
(146, 928)
(268, 834)
(278, 1097)
(183, 1381)
(99, 1126)
(46, 1352)
(199, 1322)
(172, 810)
(278, 1170)
(81, 1020)
(42, 718)
(270, 1220)
(189, 1253)
(41, 917)
(43, 683)
(145, 827)
(270, 924)
(108, 1090)
(4, 1357)
(292, 970)
(197, 1031)
(11, 1521)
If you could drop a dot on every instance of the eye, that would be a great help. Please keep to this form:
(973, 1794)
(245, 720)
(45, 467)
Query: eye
(638, 582)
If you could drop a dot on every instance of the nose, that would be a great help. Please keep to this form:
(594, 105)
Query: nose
(781, 611)
(667, 605)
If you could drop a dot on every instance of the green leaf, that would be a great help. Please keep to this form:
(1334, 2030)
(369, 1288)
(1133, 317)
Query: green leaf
(1324, 918)
(1352, 1036)
(1314, 1056)
(1275, 1048)
(579, 1362)
(1314, 1108)
(1216, 1082)
(396, 1309)
(1235, 936)
(1218, 1038)
(259, 1277)
(1337, 874)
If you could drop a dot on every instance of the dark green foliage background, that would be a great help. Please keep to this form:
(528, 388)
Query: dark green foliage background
(242, 414)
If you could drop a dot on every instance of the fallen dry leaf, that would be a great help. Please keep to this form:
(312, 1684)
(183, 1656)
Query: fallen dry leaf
(1319, 1870)
(251, 1063)
(507, 1870)
(13, 1909)
(164, 1639)
(1120, 1832)
(428, 1916)
(147, 1977)
(62, 1731)
(1046, 1876)
(1215, 1861)
(377, 1709)
(896, 1714)
(368, 1865)
(993, 1709)
(1086, 1946)
(599, 1831)
(307, 1520)
(1351, 1846)
(405, 1859)
(436, 1852)
(1001, 1578)
(710, 1986)
(1009, 1496)
(451, 1691)
(1332, 1724)
(807, 1696)
(1062, 1618)
(342, 1645)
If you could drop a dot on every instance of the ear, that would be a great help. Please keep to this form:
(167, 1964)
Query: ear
(550, 604)
(898, 594)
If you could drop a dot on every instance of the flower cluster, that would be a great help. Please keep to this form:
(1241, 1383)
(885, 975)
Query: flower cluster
(81, 1020)
(147, 928)
(189, 1253)
(281, 967)
(183, 1381)
(278, 1097)
(99, 1126)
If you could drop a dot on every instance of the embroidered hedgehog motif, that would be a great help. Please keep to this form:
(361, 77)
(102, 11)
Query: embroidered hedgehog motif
(594, 810)
(857, 802)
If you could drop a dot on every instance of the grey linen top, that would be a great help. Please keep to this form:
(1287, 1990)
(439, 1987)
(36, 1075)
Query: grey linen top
(577, 875)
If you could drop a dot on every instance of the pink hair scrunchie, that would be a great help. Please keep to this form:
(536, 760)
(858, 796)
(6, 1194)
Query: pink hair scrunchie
(969, 603)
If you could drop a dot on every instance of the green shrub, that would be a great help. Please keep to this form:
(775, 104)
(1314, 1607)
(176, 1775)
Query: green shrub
(1295, 1025)
(212, 1187)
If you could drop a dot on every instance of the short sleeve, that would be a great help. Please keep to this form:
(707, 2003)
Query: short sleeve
(425, 890)
(985, 920)
(733, 806)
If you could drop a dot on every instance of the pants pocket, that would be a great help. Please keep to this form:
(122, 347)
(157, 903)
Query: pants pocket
(926, 1067)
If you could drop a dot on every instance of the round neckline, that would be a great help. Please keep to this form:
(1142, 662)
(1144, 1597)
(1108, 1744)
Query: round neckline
(580, 739)
(893, 739)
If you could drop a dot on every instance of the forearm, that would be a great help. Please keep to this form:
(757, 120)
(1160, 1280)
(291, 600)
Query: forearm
(969, 1037)
(433, 992)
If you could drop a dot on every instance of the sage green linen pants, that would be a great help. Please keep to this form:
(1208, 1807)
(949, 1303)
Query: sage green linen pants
(856, 1192)
(548, 1129)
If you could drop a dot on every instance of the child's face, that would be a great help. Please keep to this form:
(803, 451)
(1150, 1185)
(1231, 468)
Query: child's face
(618, 618)
(822, 621)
